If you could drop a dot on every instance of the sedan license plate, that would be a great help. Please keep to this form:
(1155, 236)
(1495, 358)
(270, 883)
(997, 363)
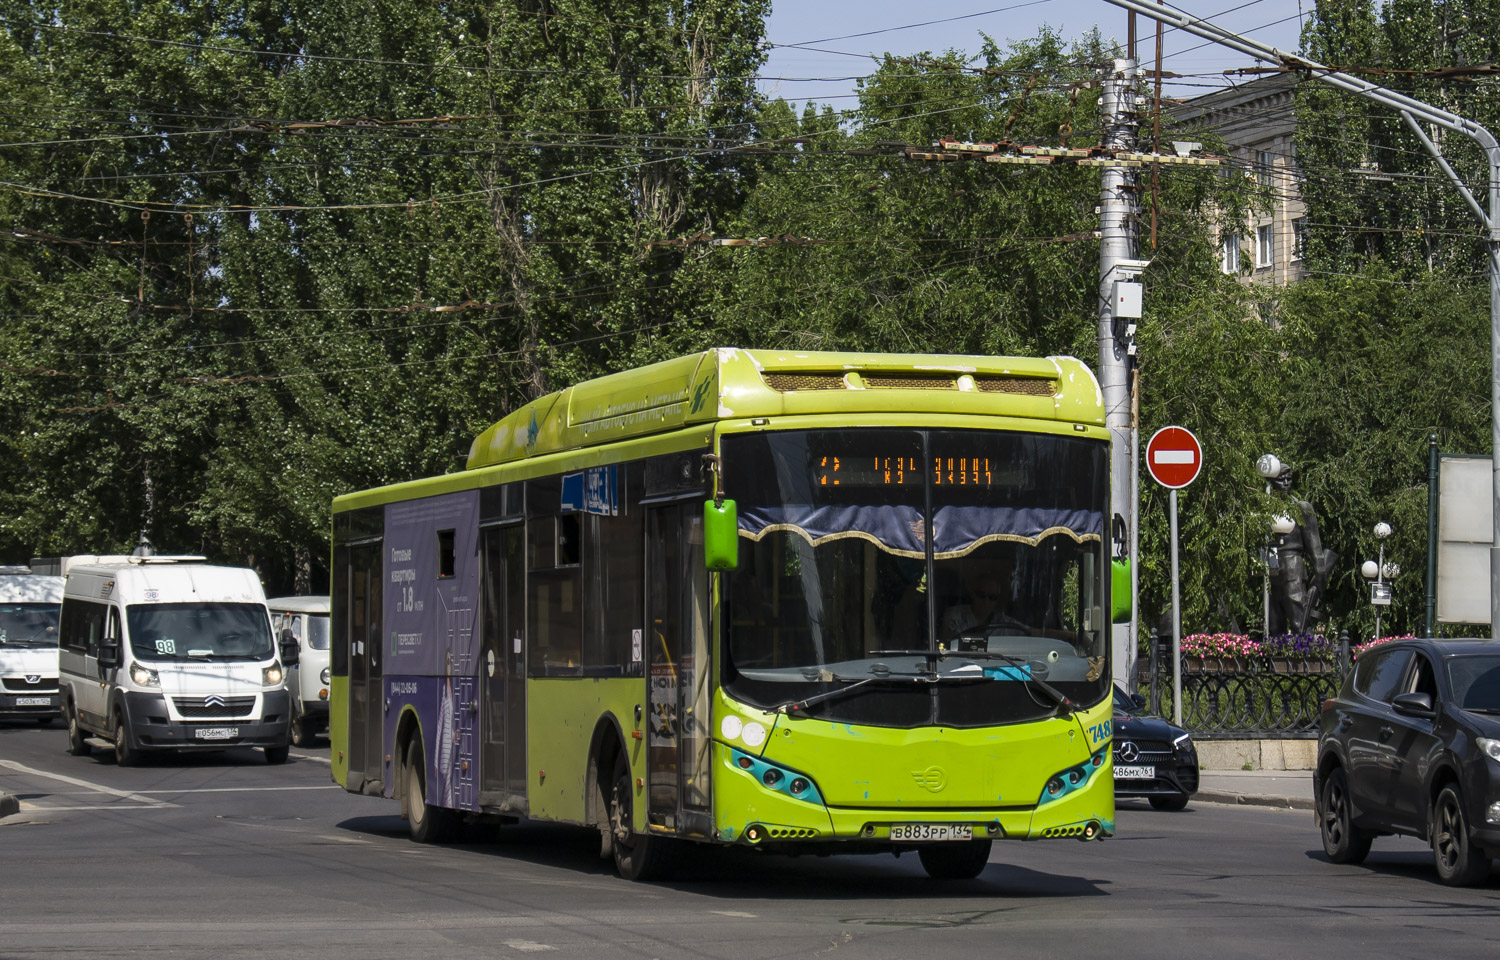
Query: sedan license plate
(218, 733)
(925, 832)
(33, 701)
(1135, 773)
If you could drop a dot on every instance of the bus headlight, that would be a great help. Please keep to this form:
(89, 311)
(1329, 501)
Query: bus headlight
(271, 676)
(144, 676)
(324, 676)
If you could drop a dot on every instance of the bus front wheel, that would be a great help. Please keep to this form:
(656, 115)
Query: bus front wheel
(78, 740)
(955, 861)
(428, 824)
(638, 856)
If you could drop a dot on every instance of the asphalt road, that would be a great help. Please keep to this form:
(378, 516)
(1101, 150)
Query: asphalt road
(221, 855)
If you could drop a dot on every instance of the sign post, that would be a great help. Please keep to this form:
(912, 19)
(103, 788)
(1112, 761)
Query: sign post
(1174, 456)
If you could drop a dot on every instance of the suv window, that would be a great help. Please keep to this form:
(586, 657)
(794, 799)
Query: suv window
(1378, 674)
(1423, 678)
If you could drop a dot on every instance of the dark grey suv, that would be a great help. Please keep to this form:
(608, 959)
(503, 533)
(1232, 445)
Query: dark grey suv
(1411, 745)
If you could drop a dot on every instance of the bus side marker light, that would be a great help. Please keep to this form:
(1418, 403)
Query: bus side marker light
(636, 734)
(640, 783)
(541, 776)
(387, 758)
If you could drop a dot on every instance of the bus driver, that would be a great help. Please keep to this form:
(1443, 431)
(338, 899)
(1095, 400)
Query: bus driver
(983, 615)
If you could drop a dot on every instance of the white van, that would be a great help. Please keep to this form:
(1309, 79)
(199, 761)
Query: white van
(166, 653)
(28, 646)
(304, 621)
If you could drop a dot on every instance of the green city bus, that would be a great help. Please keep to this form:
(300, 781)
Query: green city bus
(793, 602)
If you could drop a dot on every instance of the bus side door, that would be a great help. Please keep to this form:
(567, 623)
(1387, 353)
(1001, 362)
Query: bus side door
(366, 672)
(502, 763)
(678, 673)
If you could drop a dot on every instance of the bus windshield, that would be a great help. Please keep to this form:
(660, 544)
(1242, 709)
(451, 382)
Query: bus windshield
(28, 624)
(188, 631)
(837, 569)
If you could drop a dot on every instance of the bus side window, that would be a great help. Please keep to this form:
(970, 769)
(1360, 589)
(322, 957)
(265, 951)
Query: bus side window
(614, 586)
(554, 607)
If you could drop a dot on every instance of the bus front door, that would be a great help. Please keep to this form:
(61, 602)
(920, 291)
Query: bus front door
(366, 672)
(503, 669)
(677, 764)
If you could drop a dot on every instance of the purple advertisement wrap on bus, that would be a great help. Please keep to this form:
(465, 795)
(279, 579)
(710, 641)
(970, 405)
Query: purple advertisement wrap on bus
(445, 710)
(432, 586)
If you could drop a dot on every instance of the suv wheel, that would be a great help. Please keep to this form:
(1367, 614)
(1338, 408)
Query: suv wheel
(1458, 863)
(1342, 840)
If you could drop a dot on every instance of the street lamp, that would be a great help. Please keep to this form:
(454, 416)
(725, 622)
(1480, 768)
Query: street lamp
(1269, 466)
(1379, 572)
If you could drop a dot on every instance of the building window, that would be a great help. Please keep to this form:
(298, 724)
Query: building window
(1299, 238)
(1264, 166)
(1265, 244)
(1231, 252)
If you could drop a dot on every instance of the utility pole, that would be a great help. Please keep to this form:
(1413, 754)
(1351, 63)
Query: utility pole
(1119, 310)
(1411, 110)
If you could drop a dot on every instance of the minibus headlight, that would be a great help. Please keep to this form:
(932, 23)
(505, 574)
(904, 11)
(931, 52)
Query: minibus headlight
(144, 676)
(324, 676)
(271, 676)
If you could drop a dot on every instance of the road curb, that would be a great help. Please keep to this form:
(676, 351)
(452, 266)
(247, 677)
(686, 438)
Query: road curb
(9, 804)
(1255, 800)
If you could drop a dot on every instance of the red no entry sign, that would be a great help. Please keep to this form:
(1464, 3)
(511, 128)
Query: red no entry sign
(1174, 457)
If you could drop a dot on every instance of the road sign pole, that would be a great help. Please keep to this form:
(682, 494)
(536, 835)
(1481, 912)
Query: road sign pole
(1176, 617)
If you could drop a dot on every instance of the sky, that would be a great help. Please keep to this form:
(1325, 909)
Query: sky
(906, 28)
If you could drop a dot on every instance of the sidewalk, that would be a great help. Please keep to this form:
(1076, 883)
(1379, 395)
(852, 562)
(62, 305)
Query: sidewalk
(1266, 788)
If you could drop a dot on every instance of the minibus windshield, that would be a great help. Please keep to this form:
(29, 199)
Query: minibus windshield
(191, 631)
(28, 624)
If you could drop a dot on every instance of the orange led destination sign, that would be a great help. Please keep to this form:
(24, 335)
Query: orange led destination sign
(868, 471)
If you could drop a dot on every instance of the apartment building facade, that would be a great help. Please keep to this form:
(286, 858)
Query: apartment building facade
(1257, 120)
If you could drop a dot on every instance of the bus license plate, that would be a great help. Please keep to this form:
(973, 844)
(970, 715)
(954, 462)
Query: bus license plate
(1135, 773)
(218, 733)
(33, 701)
(932, 831)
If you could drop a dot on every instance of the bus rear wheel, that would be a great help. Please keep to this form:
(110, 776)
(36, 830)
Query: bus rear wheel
(428, 824)
(638, 856)
(956, 861)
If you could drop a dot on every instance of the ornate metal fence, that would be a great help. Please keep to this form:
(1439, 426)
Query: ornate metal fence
(1229, 698)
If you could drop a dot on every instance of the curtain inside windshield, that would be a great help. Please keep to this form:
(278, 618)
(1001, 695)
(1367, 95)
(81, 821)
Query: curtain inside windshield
(180, 631)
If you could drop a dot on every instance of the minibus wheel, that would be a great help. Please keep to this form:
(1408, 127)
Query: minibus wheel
(78, 744)
(126, 755)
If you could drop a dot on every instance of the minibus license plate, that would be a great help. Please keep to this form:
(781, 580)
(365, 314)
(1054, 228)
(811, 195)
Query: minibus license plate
(1135, 773)
(33, 701)
(932, 831)
(218, 733)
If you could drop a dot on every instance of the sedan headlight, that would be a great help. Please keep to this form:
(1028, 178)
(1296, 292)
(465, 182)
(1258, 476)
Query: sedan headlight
(324, 675)
(1490, 748)
(144, 676)
(271, 676)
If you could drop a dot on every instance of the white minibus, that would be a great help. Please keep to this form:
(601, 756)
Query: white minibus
(304, 621)
(28, 646)
(163, 653)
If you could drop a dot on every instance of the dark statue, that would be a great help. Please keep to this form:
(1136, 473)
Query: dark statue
(1299, 565)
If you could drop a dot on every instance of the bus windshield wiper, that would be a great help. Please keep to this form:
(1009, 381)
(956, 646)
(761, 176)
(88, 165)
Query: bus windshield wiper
(1065, 706)
(792, 706)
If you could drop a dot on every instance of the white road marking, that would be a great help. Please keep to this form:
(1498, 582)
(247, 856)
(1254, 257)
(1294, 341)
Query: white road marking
(328, 786)
(329, 836)
(733, 913)
(528, 946)
(43, 808)
(308, 756)
(95, 787)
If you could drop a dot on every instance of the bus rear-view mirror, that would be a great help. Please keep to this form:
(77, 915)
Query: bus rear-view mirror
(1119, 589)
(721, 535)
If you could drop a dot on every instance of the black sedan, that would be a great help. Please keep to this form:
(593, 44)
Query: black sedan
(1154, 759)
(1411, 745)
